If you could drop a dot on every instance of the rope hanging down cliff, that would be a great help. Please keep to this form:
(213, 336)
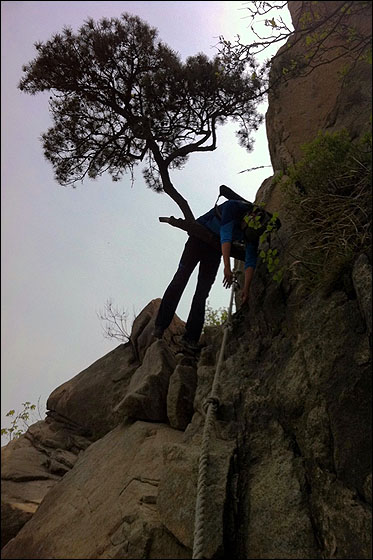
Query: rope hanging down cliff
(211, 406)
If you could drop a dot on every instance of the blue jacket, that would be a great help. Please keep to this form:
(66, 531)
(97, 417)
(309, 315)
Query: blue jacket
(228, 228)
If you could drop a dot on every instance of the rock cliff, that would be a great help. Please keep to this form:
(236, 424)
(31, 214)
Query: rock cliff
(112, 471)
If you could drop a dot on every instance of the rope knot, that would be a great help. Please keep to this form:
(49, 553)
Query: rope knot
(211, 400)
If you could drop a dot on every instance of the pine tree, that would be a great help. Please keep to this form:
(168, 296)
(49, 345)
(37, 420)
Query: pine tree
(119, 97)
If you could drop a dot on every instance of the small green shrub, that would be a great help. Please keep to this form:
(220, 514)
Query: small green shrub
(269, 256)
(328, 197)
(20, 421)
(215, 317)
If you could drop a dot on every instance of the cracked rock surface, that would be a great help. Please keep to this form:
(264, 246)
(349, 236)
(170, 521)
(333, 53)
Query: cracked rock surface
(112, 472)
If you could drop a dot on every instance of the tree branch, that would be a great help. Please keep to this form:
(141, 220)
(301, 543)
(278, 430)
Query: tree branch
(166, 182)
(193, 147)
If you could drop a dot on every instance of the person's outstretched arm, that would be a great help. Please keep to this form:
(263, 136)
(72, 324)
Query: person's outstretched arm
(229, 214)
(228, 274)
(251, 257)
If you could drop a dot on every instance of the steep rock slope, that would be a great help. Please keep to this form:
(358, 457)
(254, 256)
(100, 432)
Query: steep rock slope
(115, 465)
(334, 95)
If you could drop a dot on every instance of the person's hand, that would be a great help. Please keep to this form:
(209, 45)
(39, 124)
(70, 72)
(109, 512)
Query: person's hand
(228, 277)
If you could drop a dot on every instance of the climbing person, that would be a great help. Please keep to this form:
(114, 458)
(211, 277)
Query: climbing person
(224, 221)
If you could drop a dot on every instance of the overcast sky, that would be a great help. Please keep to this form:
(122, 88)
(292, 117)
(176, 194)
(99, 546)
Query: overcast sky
(66, 251)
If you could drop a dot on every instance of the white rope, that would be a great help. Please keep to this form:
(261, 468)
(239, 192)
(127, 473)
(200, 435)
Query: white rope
(211, 406)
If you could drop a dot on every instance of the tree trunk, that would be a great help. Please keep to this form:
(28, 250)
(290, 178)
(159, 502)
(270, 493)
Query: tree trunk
(167, 185)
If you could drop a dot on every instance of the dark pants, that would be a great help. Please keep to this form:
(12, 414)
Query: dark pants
(195, 251)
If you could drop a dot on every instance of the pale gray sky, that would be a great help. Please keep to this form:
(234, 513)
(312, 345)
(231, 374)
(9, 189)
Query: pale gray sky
(65, 252)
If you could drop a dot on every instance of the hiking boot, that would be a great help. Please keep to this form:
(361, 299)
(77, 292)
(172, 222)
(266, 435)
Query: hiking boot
(190, 345)
(158, 332)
